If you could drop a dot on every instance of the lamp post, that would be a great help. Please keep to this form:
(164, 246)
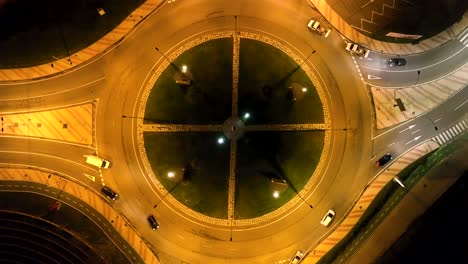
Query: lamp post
(171, 175)
(433, 123)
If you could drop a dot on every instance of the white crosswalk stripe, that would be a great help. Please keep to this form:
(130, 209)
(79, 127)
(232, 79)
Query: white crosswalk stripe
(464, 123)
(463, 37)
(452, 132)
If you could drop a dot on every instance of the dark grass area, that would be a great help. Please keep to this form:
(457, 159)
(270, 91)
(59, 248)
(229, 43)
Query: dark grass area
(207, 100)
(412, 173)
(424, 17)
(291, 156)
(442, 230)
(36, 32)
(67, 218)
(380, 200)
(265, 73)
(201, 168)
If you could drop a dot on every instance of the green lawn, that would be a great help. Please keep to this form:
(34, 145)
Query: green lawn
(37, 32)
(265, 74)
(205, 189)
(207, 100)
(292, 156)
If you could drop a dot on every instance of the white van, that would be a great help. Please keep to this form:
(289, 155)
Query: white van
(97, 161)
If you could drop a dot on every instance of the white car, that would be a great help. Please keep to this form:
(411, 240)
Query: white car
(326, 220)
(355, 49)
(315, 26)
(297, 258)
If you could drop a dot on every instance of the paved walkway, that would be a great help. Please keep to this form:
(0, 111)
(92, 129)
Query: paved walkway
(116, 35)
(416, 99)
(365, 199)
(72, 124)
(99, 203)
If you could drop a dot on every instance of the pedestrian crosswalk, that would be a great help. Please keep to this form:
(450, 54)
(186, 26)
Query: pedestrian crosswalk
(452, 132)
(463, 37)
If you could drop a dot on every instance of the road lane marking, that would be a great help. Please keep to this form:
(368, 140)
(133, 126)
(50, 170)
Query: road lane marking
(410, 127)
(456, 108)
(90, 177)
(415, 131)
(437, 120)
(180, 236)
(373, 77)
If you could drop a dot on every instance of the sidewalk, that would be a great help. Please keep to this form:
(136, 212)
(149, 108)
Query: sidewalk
(116, 35)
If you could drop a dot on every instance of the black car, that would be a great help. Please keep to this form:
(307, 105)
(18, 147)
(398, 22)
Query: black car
(109, 193)
(153, 223)
(384, 159)
(396, 62)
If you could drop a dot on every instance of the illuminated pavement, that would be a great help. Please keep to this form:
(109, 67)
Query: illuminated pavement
(131, 63)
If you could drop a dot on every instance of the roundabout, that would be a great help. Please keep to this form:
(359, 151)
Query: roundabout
(294, 134)
(250, 168)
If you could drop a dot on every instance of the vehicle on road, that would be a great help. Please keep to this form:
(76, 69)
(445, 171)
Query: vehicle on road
(314, 25)
(357, 50)
(396, 62)
(109, 193)
(326, 220)
(297, 258)
(384, 159)
(153, 223)
(97, 161)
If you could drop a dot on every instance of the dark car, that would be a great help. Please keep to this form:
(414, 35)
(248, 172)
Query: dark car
(109, 193)
(384, 159)
(153, 223)
(396, 62)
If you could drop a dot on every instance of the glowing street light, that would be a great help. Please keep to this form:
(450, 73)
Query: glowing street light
(184, 68)
(171, 174)
(304, 89)
(246, 116)
(275, 194)
(220, 140)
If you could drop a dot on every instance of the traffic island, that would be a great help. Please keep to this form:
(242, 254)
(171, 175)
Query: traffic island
(241, 137)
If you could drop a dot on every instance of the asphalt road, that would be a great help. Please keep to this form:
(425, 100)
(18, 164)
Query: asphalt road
(117, 78)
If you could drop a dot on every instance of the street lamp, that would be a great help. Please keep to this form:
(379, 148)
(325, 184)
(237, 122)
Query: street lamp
(397, 180)
(433, 123)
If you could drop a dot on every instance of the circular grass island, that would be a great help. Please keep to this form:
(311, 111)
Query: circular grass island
(233, 128)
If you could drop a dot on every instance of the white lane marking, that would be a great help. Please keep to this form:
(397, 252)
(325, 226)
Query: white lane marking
(437, 120)
(181, 237)
(90, 177)
(393, 143)
(414, 139)
(46, 155)
(59, 92)
(373, 77)
(410, 127)
(456, 108)
(415, 131)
